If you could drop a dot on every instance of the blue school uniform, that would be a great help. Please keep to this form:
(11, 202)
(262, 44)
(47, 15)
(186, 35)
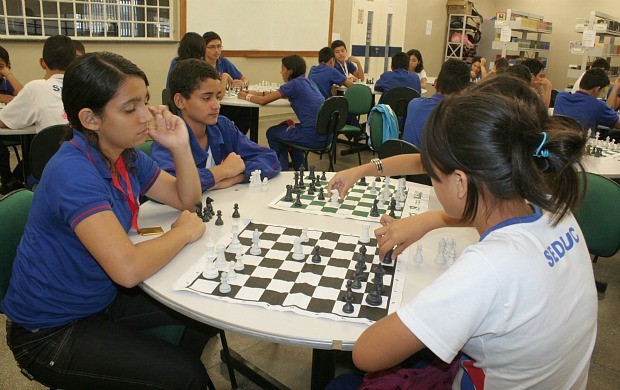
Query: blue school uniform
(55, 280)
(172, 64)
(350, 68)
(397, 78)
(5, 87)
(223, 138)
(223, 65)
(324, 76)
(586, 109)
(418, 111)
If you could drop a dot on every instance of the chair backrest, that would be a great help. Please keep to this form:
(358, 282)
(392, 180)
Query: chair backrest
(614, 134)
(166, 98)
(554, 93)
(599, 214)
(332, 117)
(375, 123)
(44, 145)
(146, 146)
(359, 97)
(14, 210)
(394, 147)
(398, 98)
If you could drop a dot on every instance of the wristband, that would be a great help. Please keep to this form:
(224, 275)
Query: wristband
(248, 97)
(379, 165)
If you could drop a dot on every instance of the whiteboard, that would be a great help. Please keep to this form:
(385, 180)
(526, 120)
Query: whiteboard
(282, 25)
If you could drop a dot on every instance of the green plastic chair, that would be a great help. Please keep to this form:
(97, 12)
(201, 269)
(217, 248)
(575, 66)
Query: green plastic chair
(359, 97)
(598, 216)
(376, 131)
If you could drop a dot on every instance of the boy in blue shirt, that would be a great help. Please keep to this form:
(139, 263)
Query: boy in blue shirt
(351, 68)
(453, 78)
(324, 75)
(584, 105)
(398, 76)
(223, 155)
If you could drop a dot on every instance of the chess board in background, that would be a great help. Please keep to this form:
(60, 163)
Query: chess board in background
(358, 202)
(275, 281)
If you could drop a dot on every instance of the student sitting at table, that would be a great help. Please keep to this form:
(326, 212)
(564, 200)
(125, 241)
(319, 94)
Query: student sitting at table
(453, 78)
(500, 66)
(222, 64)
(533, 325)
(325, 76)
(350, 67)
(74, 320)
(398, 76)
(584, 105)
(597, 63)
(222, 154)
(416, 65)
(305, 100)
(540, 83)
(478, 69)
(9, 85)
(39, 103)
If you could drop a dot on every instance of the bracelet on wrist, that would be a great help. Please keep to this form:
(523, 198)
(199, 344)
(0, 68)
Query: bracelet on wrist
(378, 164)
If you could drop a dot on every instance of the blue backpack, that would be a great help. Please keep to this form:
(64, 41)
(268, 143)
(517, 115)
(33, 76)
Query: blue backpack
(389, 125)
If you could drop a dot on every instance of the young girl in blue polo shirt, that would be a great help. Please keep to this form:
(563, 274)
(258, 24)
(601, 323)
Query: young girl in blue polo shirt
(74, 313)
(306, 99)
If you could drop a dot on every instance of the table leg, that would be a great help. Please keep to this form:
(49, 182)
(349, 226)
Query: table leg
(253, 373)
(254, 124)
(323, 368)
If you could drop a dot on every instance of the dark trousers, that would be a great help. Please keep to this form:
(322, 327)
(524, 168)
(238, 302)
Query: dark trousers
(5, 164)
(281, 132)
(108, 351)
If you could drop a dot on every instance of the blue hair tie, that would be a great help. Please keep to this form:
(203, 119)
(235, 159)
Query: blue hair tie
(540, 152)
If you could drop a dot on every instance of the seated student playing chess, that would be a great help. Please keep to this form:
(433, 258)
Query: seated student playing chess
(305, 100)
(532, 258)
(398, 76)
(416, 65)
(478, 69)
(223, 65)
(9, 85)
(222, 154)
(540, 83)
(325, 76)
(453, 78)
(39, 103)
(350, 67)
(74, 320)
(584, 105)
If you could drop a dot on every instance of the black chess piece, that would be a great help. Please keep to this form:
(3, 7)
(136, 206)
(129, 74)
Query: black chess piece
(199, 209)
(317, 182)
(378, 178)
(321, 194)
(378, 282)
(363, 181)
(206, 216)
(289, 193)
(356, 284)
(209, 207)
(298, 200)
(302, 185)
(374, 297)
(302, 170)
(316, 255)
(361, 263)
(363, 276)
(323, 177)
(393, 208)
(311, 174)
(374, 211)
(348, 306)
(296, 186)
(236, 211)
(388, 257)
(379, 270)
(219, 221)
(311, 188)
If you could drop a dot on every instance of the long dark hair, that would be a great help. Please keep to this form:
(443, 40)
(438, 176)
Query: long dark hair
(192, 45)
(296, 64)
(418, 55)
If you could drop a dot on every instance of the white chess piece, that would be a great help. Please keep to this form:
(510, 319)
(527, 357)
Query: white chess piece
(239, 262)
(265, 185)
(441, 259)
(418, 256)
(255, 249)
(334, 197)
(221, 257)
(232, 275)
(304, 235)
(365, 236)
(224, 286)
(373, 188)
(298, 250)
(210, 249)
(235, 244)
(209, 272)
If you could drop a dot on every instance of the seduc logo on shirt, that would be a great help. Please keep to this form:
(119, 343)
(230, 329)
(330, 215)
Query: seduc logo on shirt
(560, 247)
(56, 88)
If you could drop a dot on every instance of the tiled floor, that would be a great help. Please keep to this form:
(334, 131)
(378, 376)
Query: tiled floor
(291, 365)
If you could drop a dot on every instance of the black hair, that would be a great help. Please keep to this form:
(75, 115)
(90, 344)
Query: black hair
(326, 54)
(520, 71)
(534, 65)
(594, 77)
(601, 63)
(453, 76)
(192, 45)
(4, 55)
(296, 64)
(210, 36)
(476, 59)
(58, 52)
(501, 65)
(400, 60)
(415, 52)
(187, 75)
(338, 43)
(91, 81)
(492, 138)
(79, 47)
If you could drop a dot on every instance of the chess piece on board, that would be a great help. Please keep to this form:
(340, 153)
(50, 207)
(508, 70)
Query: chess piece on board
(321, 194)
(219, 221)
(374, 211)
(418, 256)
(316, 255)
(374, 297)
(289, 193)
(224, 286)
(235, 213)
(365, 236)
(298, 250)
(255, 249)
(298, 200)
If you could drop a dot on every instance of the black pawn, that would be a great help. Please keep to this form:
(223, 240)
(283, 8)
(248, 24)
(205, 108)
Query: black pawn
(374, 297)
(289, 193)
(374, 211)
(348, 306)
(298, 200)
(321, 194)
(363, 181)
(317, 182)
(378, 178)
(206, 215)
(236, 212)
(356, 284)
(311, 174)
(316, 255)
(388, 257)
(393, 208)
(219, 221)
(199, 209)
(323, 177)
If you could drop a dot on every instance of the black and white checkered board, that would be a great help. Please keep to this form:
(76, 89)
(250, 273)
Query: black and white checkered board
(607, 149)
(275, 281)
(358, 202)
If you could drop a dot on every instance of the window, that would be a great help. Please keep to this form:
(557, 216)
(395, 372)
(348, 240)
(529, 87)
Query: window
(97, 19)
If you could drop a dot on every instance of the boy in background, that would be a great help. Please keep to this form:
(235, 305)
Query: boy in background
(539, 82)
(9, 85)
(350, 67)
(325, 76)
(398, 76)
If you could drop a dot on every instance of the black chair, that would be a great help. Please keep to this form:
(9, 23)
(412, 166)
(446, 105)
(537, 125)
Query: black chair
(614, 134)
(330, 119)
(44, 145)
(554, 93)
(394, 147)
(398, 98)
(166, 98)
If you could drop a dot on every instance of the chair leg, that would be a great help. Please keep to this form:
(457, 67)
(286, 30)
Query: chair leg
(17, 154)
(227, 358)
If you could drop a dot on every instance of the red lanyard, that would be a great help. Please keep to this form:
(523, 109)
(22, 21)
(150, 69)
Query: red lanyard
(132, 201)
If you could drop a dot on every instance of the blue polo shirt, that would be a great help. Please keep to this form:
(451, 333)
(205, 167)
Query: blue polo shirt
(223, 138)
(586, 109)
(324, 76)
(172, 64)
(350, 67)
(305, 100)
(55, 280)
(418, 111)
(223, 65)
(398, 78)
(5, 87)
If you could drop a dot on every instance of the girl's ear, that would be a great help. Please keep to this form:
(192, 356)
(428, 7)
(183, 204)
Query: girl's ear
(89, 120)
(460, 179)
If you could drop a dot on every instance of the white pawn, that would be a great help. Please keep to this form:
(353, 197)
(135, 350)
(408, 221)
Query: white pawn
(209, 272)
(255, 249)
(589, 133)
(365, 236)
(235, 245)
(440, 259)
(304, 235)
(418, 256)
(298, 253)
(373, 189)
(224, 286)
(221, 257)
(334, 197)
(265, 185)
(232, 275)
(238, 262)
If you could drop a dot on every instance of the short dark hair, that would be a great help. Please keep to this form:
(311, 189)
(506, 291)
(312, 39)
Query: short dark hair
(534, 65)
(296, 64)
(415, 52)
(79, 46)
(453, 76)
(326, 54)
(210, 36)
(601, 63)
(520, 71)
(4, 55)
(501, 65)
(187, 75)
(192, 45)
(400, 60)
(58, 52)
(338, 43)
(594, 77)
(476, 59)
